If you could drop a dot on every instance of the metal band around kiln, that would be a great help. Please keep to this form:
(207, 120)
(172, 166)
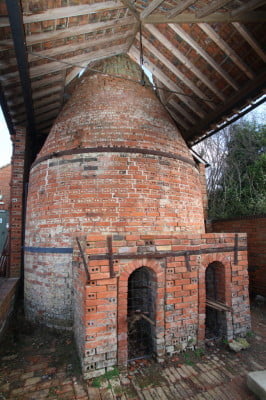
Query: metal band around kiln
(113, 149)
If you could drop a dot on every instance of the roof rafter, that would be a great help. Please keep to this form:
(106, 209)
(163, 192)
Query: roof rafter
(191, 18)
(250, 39)
(86, 45)
(73, 31)
(70, 11)
(134, 53)
(249, 6)
(172, 101)
(151, 7)
(250, 90)
(180, 8)
(189, 65)
(179, 75)
(180, 32)
(211, 7)
(226, 49)
(55, 66)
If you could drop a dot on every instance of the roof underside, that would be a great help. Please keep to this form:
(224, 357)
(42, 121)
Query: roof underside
(206, 57)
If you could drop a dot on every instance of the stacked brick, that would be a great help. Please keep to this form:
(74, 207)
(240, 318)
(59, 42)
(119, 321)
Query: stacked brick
(5, 176)
(255, 227)
(16, 202)
(179, 263)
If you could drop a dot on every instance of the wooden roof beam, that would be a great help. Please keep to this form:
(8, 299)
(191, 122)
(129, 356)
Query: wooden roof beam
(250, 90)
(86, 45)
(99, 55)
(250, 39)
(177, 119)
(191, 18)
(179, 75)
(172, 101)
(73, 31)
(151, 7)
(247, 6)
(181, 33)
(35, 95)
(70, 62)
(134, 54)
(68, 12)
(180, 56)
(182, 6)
(211, 7)
(132, 8)
(210, 32)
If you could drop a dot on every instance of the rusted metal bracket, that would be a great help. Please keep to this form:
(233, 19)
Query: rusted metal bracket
(236, 249)
(84, 260)
(110, 256)
(188, 266)
(159, 255)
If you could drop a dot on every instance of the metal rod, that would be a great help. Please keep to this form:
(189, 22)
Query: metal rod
(111, 260)
(84, 260)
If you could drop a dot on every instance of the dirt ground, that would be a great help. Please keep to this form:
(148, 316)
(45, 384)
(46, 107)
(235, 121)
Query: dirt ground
(39, 363)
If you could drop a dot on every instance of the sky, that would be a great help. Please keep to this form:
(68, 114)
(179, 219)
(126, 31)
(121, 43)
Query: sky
(6, 148)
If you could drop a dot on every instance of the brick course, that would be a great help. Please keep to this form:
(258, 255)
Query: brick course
(5, 177)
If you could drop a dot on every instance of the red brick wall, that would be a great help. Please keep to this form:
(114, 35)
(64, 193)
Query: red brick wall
(255, 227)
(5, 176)
(16, 202)
(180, 297)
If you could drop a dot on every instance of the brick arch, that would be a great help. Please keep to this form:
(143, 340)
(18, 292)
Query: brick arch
(159, 275)
(225, 261)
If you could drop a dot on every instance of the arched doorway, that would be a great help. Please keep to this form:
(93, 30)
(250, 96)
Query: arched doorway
(141, 313)
(215, 323)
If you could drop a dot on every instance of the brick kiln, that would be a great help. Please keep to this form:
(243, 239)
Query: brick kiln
(115, 241)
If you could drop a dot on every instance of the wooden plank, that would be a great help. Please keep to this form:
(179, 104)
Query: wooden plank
(247, 6)
(151, 7)
(179, 75)
(73, 31)
(181, 110)
(86, 45)
(17, 100)
(182, 6)
(72, 11)
(250, 39)
(180, 56)
(134, 53)
(210, 32)
(55, 66)
(217, 305)
(176, 72)
(190, 18)
(203, 54)
(177, 119)
(211, 7)
(132, 8)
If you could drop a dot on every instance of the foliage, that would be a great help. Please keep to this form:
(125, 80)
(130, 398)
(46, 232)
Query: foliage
(237, 179)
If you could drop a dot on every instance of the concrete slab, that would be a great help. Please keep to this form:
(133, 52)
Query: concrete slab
(256, 382)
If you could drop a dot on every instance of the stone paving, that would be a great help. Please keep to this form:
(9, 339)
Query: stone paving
(38, 364)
